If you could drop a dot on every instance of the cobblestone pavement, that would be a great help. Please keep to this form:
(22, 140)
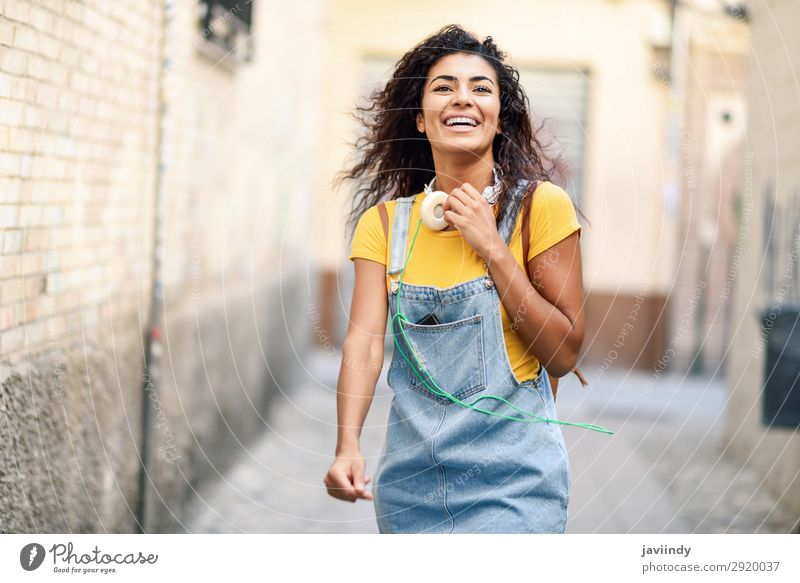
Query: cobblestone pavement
(661, 472)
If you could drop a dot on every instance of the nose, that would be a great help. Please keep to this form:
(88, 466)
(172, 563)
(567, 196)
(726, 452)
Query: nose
(462, 94)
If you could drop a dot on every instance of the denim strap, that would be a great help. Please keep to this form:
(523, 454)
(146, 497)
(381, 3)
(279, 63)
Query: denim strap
(402, 213)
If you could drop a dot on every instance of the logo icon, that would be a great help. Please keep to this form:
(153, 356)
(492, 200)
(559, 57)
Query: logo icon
(31, 556)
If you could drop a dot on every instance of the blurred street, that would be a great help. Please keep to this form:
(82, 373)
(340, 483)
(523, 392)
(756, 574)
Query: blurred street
(661, 472)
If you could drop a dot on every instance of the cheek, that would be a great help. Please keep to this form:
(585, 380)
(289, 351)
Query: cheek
(431, 109)
(491, 113)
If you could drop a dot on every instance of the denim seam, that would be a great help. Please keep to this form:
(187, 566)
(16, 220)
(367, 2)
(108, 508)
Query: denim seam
(438, 466)
(434, 328)
(433, 293)
(466, 298)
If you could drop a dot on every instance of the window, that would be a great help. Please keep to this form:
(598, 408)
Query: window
(225, 29)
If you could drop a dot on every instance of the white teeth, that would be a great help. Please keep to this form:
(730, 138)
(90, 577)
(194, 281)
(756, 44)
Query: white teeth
(468, 120)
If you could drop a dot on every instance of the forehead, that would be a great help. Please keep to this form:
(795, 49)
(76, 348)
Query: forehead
(462, 65)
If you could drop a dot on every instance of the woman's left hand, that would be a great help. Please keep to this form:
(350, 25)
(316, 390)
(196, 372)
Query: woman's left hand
(469, 212)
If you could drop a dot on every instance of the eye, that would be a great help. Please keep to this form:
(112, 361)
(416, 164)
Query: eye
(483, 88)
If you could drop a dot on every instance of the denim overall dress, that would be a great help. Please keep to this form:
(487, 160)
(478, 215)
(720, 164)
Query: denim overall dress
(445, 468)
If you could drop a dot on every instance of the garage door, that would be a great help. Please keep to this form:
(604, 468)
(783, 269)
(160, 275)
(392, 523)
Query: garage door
(559, 97)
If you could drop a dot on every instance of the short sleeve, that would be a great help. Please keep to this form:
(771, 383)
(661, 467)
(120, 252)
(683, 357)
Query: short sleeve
(369, 240)
(553, 218)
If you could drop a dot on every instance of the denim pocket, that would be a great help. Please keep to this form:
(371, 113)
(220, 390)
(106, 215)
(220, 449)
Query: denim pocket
(452, 355)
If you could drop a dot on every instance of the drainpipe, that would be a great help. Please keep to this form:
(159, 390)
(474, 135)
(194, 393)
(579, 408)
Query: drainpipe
(152, 340)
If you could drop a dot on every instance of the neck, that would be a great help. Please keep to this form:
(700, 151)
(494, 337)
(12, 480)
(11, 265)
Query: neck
(452, 172)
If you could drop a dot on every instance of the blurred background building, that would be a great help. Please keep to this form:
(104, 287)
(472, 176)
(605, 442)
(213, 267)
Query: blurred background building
(763, 371)
(171, 250)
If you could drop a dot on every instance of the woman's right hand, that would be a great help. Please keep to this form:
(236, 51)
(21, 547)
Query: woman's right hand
(345, 478)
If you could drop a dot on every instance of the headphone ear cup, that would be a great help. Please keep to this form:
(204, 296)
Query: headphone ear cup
(432, 210)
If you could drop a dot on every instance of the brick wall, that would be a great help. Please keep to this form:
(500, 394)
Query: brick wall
(77, 134)
(82, 139)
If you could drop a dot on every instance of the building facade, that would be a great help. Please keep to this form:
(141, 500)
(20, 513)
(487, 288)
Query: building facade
(762, 370)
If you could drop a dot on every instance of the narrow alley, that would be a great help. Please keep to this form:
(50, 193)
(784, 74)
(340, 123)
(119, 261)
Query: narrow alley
(663, 471)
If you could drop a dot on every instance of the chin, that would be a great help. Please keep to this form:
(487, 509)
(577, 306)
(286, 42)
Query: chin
(462, 147)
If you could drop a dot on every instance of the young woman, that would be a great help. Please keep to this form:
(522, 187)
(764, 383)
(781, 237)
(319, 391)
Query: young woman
(468, 324)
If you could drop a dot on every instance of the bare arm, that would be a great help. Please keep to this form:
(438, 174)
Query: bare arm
(362, 361)
(362, 354)
(548, 315)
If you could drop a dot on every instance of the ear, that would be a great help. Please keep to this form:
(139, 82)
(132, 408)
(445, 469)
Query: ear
(420, 123)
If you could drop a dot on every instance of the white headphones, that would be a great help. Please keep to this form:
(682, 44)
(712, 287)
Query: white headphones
(432, 209)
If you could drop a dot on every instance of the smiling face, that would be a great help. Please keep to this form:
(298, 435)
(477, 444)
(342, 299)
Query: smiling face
(460, 105)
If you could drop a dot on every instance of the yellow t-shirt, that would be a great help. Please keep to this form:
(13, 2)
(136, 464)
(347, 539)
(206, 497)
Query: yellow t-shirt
(552, 219)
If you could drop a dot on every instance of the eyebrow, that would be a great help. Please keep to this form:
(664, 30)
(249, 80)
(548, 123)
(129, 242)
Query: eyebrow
(452, 78)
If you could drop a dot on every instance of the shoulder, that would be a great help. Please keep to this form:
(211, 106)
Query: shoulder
(371, 221)
(368, 225)
(552, 218)
(373, 212)
(369, 241)
(549, 195)
(367, 218)
(391, 205)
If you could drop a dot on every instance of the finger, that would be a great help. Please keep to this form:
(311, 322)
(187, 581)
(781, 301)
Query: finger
(461, 196)
(358, 480)
(367, 495)
(452, 203)
(471, 191)
(342, 493)
(452, 218)
(341, 487)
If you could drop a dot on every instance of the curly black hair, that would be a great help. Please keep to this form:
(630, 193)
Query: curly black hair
(396, 161)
